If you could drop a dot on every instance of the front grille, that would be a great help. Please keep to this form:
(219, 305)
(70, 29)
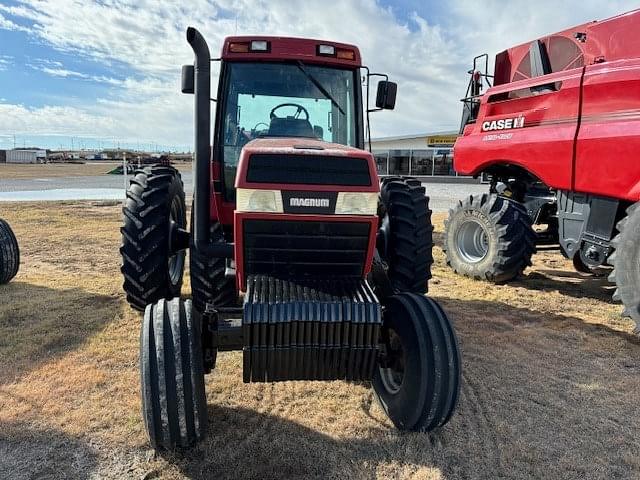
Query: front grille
(294, 249)
(308, 170)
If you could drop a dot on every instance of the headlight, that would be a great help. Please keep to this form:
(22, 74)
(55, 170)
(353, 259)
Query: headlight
(250, 200)
(357, 203)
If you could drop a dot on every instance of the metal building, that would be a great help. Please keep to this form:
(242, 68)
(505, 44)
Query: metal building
(26, 156)
(424, 155)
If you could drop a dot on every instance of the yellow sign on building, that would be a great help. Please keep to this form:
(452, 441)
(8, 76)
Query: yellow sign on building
(441, 140)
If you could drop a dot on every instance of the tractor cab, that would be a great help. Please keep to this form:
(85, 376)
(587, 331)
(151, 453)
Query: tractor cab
(275, 87)
(284, 97)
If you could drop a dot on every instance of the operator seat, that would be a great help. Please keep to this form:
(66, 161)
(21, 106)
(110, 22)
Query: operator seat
(290, 127)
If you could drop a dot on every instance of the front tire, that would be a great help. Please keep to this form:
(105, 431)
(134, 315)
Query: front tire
(174, 404)
(489, 237)
(154, 206)
(419, 383)
(9, 253)
(405, 237)
(626, 264)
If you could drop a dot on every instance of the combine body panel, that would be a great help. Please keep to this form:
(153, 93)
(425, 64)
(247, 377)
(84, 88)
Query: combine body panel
(575, 128)
(558, 134)
(607, 40)
(607, 159)
(540, 137)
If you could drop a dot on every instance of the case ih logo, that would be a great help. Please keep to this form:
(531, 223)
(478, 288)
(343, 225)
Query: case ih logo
(309, 202)
(503, 124)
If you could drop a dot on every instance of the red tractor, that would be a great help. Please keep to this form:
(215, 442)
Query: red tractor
(9, 253)
(557, 134)
(298, 256)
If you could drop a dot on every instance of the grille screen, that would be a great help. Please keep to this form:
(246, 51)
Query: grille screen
(308, 170)
(292, 249)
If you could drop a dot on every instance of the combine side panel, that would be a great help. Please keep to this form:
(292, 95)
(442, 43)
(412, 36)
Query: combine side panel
(530, 123)
(608, 148)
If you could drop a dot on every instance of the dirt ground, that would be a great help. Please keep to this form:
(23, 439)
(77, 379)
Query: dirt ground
(53, 170)
(550, 386)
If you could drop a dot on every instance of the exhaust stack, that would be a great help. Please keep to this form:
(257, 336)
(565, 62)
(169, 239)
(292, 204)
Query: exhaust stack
(202, 164)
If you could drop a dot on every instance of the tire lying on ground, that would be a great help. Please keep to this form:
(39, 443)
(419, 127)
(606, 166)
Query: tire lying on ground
(209, 284)
(155, 200)
(405, 237)
(419, 382)
(9, 253)
(489, 237)
(174, 404)
(626, 264)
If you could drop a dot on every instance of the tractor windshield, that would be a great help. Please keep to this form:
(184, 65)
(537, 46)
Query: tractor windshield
(285, 100)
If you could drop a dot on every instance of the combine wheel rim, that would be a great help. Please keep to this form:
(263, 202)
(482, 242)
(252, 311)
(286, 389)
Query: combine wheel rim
(472, 241)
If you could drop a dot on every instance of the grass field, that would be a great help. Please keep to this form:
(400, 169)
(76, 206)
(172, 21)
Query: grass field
(550, 385)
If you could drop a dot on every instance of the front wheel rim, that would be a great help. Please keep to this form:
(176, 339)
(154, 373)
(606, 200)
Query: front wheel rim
(176, 261)
(393, 374)
(472, 241)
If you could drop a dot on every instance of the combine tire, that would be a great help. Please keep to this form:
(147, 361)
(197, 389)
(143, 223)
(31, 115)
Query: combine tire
(209, 284)
(9, 253)
(626, 264)
(489, 237)
(419, 382)
(405, 238)
(153, 207)
(174, 404)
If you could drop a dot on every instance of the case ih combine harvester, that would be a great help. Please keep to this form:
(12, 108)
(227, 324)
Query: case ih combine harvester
(558, 134)
(288, 218)
(9, 253)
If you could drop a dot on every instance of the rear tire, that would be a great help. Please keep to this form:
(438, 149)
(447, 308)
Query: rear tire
(626, 264)
(174, 405)
(209, 284)
(9, 253)
(405, 238)
(489, 237)
(155, 199)
(419, 386)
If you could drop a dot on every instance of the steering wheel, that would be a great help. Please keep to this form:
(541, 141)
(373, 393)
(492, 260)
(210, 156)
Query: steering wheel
(299, 110)
(260, 123)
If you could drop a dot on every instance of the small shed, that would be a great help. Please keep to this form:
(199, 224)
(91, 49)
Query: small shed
(26, 156)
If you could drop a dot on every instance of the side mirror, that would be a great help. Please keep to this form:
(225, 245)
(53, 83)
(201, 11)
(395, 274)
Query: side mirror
(188, 73)
(386, 96)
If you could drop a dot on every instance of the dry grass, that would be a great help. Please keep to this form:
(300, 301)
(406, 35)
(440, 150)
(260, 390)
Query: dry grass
(54, 170)
(550, 380)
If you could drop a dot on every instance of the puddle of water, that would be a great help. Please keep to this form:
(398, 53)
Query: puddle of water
(63, 194)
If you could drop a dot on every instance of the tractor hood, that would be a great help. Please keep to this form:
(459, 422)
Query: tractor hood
(305, 164)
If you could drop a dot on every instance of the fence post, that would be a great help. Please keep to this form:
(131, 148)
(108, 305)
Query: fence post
(124, 172)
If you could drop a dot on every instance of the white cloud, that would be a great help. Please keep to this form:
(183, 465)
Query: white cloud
(6, 24)
(5, 61)
(57, 69)
(147, 37)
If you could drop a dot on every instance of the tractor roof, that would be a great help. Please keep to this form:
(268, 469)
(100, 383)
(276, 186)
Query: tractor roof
(303, 146)
(265, 48)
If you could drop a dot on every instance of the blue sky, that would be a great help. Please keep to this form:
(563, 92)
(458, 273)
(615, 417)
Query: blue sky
(106, 73)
